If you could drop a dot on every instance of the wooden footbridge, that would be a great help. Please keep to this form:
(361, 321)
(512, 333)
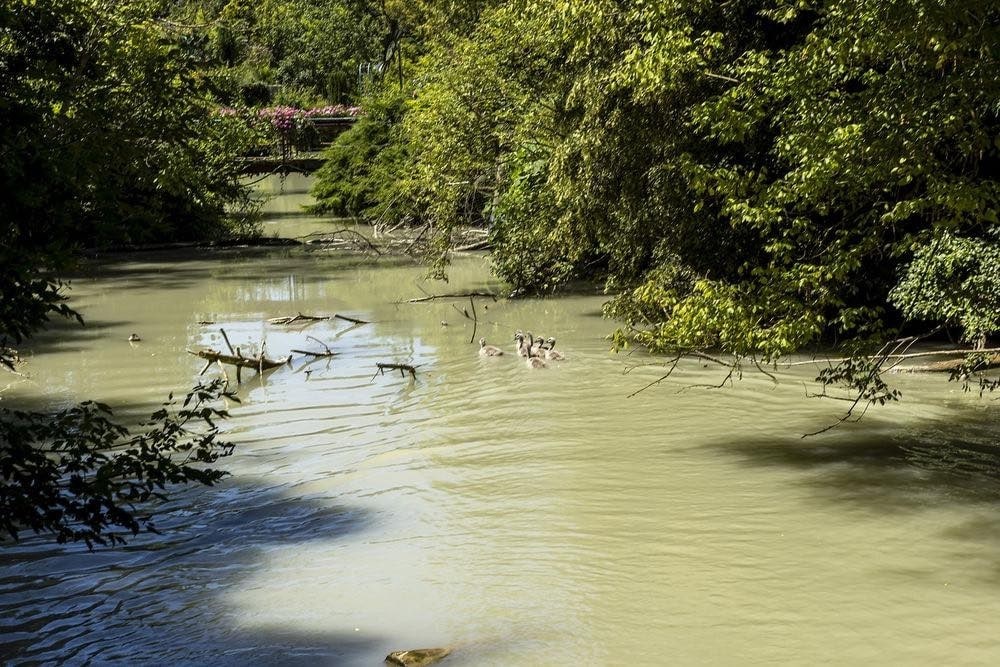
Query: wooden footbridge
(302, 152)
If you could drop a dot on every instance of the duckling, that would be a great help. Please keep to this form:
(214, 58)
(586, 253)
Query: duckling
(489, 350)
(134, 338)
(536, 362)
(551, 353)
(520, 344)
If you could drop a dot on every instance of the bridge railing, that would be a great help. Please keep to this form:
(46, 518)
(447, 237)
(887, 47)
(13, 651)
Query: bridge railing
(287, 131)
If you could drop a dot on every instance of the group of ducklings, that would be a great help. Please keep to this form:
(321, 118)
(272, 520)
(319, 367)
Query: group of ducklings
(535, 351)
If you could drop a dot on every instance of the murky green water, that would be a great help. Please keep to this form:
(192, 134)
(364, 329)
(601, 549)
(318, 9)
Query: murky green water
(523, 517)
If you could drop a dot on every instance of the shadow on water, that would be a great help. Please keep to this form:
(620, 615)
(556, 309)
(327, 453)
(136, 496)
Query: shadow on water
(165, 597)
(63, 334)
(931, 464)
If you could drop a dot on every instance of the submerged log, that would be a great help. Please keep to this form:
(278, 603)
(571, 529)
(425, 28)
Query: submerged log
(418, 657)
(457, 295)
(953, 365)
(259, 364)
(292, 319)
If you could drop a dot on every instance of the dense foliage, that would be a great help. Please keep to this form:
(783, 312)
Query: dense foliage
(752, 177)
(108, 137)
(363, 167)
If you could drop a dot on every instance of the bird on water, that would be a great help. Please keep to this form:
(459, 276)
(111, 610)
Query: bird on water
(489, 350)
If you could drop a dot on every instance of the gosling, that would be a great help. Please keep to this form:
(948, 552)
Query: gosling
(489, 350)
(551, 353)
(520, 344)
(534, 346)
(538, 347)
(536, 362)
(134, 338)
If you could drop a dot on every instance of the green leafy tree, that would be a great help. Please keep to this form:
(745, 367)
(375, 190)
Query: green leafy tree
(752, 178)
(77, 475)
(107, 137)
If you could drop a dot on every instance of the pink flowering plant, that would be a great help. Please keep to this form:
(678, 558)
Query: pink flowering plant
(286, 127)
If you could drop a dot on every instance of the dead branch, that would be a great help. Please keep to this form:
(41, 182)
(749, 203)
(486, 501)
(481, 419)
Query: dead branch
(673, 366)
(259, 364)
(953, 365)
(457, 295)
(291, 319)
(484, 244)
(402, 368)
(475, 320)
(327, 353)
(330, 238)
(228, 344)
(911, 355)
(350, 319)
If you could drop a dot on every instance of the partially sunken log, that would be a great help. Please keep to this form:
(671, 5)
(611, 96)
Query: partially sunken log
(292, 319)
(402, 368)
(419, 657)
(953, 365)
(259, 364)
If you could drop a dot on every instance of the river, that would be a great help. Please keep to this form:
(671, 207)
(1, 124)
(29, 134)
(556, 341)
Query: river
(523, 517)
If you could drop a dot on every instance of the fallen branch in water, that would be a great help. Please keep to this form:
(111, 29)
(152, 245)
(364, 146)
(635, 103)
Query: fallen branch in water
(327, 353)
(911, 355)
(402, 368)
(457, 295)
(952, 365)
(259, 364)
(483, 244)
(352, 320)
(291, 319)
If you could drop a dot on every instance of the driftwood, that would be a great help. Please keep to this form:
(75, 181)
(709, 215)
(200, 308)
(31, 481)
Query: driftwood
(235, 358)
(291, 319)
(259, 364)
(402, 368)
(901, 357)
(317, 355)
(458, 295)
(953, 365)
(352, 320)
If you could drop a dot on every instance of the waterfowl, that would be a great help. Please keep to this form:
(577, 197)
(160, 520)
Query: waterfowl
(537, 347)
(551, 353)
(134, 338)
(520, 344)
(488, 350)
(536, 362)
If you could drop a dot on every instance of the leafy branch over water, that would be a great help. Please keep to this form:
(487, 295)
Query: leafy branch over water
(78, 475)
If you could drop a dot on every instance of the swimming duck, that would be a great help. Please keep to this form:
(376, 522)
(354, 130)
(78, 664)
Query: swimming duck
(551, 353)
(488, 350)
